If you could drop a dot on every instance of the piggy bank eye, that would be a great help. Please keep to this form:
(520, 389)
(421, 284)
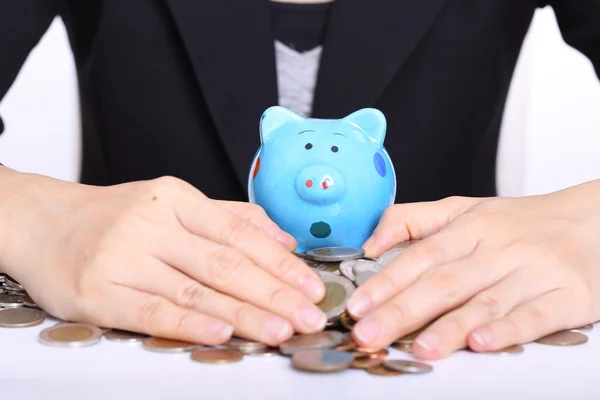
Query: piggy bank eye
(308, 146)
(334, 149)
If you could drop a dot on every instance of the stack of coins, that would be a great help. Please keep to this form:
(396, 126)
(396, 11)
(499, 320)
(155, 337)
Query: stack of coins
(342, 269)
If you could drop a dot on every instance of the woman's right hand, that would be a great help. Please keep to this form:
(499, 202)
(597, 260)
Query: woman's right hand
(156, 257)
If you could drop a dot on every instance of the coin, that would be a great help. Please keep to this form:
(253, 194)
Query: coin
(361, 277)
(245, 346)
(563, 338)
(11, 301)
(216, 356)
(322, 360)
(407, 348)
(21, 317)
(263, 352)
(347, 321)
(335, 254)
(362, 352)
(11, 283)
(410, 338)
(516, 349)
(380, 370)
(413, 367)
(118, 335)
(350, 268)
(346, 345)
(311, 341)
(583, 329)
(70, 335)
(366, 362)
(28, 301)
(162, 345)
(333, 268)
(337, 292)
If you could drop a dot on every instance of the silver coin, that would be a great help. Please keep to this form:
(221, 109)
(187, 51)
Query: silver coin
(11, 301)
(10, 282)
(412, 367)
(362, 277)
(350, 268)
(118, 335)
(338, 292)
(335, 254)
(21, 317)
(2, 278)
(583, 329)
(311, 341)
(70, 335)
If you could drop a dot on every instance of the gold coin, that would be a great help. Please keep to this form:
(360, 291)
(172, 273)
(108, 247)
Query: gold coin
(118, 335)
(321, 360)
(413, 367)
(380, 370)
(21, 317)
(244, 345)
(70, 335)
(263, 352)
(335, 294)
(362, 352)
(216, 356)
(563, 338)
(407, 348)
(347, 321)
(162, 345)
(334, 268)
(366, 362)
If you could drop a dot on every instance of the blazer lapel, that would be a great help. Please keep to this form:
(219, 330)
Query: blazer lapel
(230, 46)
(366, 44)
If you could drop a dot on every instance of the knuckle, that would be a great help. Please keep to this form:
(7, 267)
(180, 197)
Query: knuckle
(285, 267)
(192, 294)
(445, 283)
(461, 323)
(400, 312)
(493, 307)
(225, 266)
(540, 319)
(242, 316)
(148, 314)
(236, 230)
(279, 298)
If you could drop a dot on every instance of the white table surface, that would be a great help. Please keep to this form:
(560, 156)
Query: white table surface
(109, 370)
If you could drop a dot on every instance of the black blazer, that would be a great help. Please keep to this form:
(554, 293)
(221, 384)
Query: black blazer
(176, 87)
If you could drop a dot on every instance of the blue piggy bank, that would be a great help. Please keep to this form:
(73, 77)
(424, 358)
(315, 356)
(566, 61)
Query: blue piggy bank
(324, 181)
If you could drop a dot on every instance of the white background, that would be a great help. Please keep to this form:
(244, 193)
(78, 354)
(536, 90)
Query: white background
(550, 137)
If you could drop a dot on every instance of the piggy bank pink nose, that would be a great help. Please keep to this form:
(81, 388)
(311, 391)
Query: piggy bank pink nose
(320, 184)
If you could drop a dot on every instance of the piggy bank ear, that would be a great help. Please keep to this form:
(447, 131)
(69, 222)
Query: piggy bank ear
(371, 121)
(275, 117)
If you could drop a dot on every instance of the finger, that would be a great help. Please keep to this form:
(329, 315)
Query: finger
(450, 332)
(248, 321)
(530, 321)
(221, 226)
(446, 246)
(435, 292)
(414, 221)
(257, 215)
(132, 310)
(228, 271)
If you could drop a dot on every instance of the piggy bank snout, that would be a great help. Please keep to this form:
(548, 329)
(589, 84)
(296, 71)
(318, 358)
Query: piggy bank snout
(320, 184)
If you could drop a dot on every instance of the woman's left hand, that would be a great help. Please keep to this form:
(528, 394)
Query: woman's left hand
(494, 272)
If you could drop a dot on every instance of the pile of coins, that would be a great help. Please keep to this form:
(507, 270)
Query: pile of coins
(342, 269)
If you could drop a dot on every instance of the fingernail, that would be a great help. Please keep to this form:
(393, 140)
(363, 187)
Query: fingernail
(483, 337)
(219, 329)
(369, 242)
(428, 340)
(367, 331)
(359, 305)
(285, 239)
(277, 329)
(312, 317)
(314, 288)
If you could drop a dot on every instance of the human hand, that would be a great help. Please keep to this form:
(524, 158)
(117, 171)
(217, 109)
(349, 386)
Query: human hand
(490, 272)
(157, 257)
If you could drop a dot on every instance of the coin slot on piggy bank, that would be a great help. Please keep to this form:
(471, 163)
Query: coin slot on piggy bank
(326, 182)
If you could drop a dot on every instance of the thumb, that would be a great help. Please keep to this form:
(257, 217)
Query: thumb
(414, 221)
